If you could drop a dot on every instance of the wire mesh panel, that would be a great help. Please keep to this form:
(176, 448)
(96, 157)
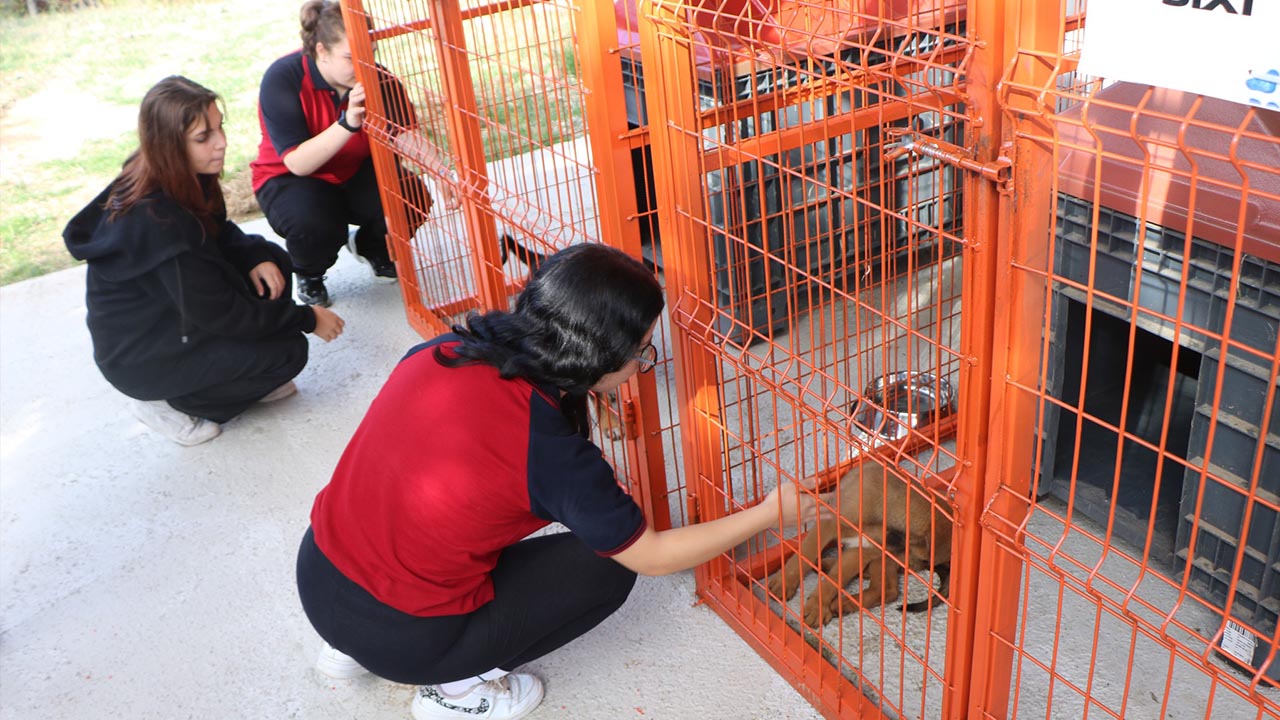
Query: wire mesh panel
(500, 124)
(1019, 325)
(808, 230)
(1135, 531)
(497, 132)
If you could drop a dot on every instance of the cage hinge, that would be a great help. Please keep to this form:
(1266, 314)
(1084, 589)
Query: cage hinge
(695, 510)
(999, 171)
(630, 423)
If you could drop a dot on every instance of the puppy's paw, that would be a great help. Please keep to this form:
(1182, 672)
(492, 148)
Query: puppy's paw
(815, 611)
(821, 605)
(784, 583)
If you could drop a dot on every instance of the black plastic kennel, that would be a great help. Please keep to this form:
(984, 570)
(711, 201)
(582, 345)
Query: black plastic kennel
(1175, 310)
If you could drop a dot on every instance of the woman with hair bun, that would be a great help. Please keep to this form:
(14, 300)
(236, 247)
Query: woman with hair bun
(314, 174)
(419, 566)
(189, 316)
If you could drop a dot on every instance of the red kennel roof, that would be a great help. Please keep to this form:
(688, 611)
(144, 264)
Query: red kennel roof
(1167, 155)
(806, 28)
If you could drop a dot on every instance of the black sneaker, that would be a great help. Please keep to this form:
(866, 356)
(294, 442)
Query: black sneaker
(311, 290)
(384, 270)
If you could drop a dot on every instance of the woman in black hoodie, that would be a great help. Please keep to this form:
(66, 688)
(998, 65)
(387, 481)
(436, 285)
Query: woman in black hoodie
(189, 316)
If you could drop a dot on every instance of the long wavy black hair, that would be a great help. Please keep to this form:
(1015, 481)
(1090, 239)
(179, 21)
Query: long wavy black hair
(583, 315)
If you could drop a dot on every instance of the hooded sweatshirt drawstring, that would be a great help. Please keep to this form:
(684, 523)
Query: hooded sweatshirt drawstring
(182, 303)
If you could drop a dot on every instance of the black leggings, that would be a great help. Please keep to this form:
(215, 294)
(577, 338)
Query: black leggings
(548, 590)
(237, 373)
(312, 215)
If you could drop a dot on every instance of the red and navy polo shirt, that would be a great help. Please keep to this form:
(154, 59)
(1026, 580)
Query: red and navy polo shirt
(295, 104)
(449, 467)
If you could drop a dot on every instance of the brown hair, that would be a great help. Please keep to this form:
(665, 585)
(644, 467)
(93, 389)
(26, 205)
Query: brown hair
(321, 23)
(161, 161)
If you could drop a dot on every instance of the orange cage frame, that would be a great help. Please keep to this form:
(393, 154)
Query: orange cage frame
(928, 139)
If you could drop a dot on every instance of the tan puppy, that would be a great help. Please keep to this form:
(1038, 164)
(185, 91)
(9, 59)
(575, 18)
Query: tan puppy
(877, 510)
(608, 415)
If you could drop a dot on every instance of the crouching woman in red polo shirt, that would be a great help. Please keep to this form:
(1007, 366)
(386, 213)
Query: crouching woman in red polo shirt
(313, 176)
(418, 566)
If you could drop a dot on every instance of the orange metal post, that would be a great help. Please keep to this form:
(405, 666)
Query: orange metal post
(463, 121)
(981, 212)
(672, 102)
(1005, 333)
(606, 112)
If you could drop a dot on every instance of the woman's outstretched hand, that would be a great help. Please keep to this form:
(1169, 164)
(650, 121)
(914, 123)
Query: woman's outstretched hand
(328, 324)
(797, 508)
(267, 280)
(449, 193)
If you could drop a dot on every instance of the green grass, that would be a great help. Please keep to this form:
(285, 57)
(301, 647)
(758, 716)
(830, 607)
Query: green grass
(86, 71)
(93, 66)
(33, 210)
(518, 78)
(536, 120)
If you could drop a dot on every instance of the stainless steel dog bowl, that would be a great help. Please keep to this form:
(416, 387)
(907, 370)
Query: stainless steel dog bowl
(892, 405)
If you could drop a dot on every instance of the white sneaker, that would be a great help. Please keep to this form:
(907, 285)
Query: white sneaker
(507, 698)
(279, 393)
(337, 665)
(178, 426)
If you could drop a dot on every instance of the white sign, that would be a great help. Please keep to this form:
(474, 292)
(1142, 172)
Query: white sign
(1227, 49)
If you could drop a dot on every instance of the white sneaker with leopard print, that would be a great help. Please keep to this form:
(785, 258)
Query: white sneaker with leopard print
(507, 698)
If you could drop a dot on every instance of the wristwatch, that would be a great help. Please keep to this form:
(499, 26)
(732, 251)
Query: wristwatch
(342, 123)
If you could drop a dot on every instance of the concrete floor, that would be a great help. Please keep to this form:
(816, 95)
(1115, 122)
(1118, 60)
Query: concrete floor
(140, 579)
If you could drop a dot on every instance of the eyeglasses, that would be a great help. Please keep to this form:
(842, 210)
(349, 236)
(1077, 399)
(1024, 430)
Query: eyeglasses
(647, 357)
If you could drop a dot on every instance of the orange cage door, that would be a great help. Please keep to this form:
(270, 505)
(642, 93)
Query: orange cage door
(929, 195)
(812, 191)
(501, 140)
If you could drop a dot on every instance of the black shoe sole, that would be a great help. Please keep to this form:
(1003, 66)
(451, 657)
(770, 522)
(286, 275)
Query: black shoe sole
(321, 298)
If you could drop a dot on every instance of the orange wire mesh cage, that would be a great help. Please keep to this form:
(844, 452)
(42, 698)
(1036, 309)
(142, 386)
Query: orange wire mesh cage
(815, 287)
(497, 134)
(500, 134)
(1017, 324)
(1142, 356)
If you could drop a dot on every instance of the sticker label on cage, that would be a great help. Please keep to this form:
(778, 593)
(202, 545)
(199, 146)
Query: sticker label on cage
(1220, 48)
(1238, 642)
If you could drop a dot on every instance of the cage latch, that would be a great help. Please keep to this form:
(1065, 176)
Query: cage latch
(999, 171)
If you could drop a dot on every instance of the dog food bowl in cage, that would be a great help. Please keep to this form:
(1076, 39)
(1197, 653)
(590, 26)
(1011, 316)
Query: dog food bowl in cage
(892, 405)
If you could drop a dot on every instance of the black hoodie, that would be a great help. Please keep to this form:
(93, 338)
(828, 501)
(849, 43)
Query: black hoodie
(159, 287)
